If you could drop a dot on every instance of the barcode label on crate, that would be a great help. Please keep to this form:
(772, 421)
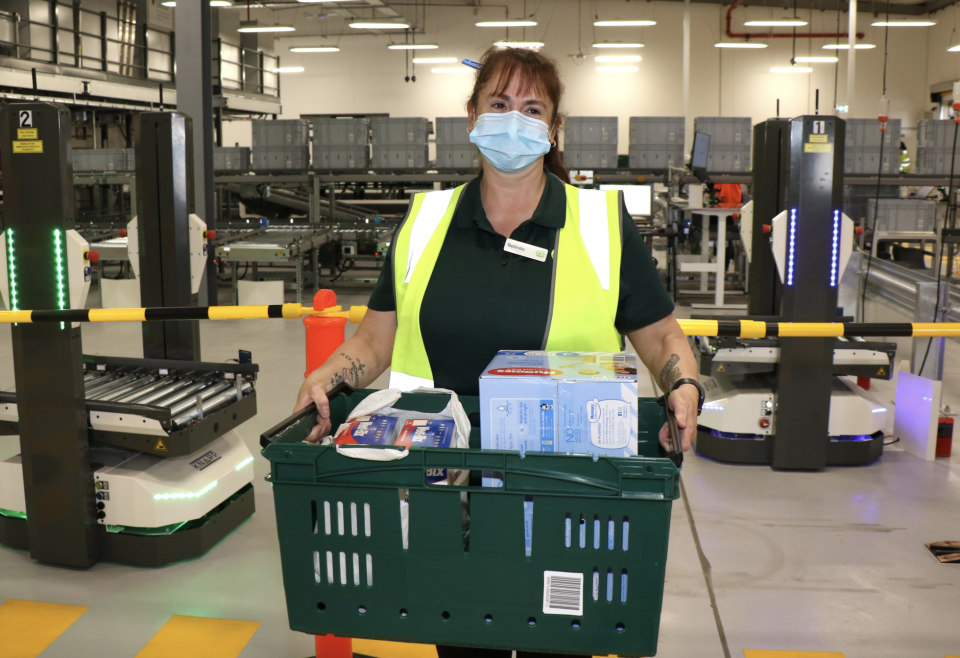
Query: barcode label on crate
(562, 593)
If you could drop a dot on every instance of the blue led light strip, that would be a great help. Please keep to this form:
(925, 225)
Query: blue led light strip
(58, 250)
(12, 270)
(835, 250)
(791, 245)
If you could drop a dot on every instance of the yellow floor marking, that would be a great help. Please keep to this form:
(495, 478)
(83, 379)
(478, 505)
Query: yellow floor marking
(378, 649)
(200, 637)
(765, 653)
(29, 627)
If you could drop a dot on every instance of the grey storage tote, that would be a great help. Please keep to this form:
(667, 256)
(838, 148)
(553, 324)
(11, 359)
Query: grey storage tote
(866, 160)
(457, 157)
(907, 215)
(937, 161)
(657, 131)
(104, 160)
(590, 131)
(725, 131)
(728, 159)
(231, 158)
(589, 156)
(655, 158)
(399, 131)
(453, 130)
(341, 158)
(281, 158)
(862, 133)
(935, 133)
(285, 132)
(340, 132)
(394, 158)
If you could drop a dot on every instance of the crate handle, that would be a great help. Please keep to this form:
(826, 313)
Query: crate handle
(283, 426)
(675, 451)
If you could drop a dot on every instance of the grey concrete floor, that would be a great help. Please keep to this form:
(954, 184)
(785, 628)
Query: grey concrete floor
(829, 561)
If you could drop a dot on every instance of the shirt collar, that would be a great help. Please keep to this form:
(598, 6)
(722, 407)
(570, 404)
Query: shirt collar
(551, 212)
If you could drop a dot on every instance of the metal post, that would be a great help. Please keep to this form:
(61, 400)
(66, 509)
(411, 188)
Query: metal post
(686, 72)
(315, 200)
(77, 41)
(164, 204)
(260, 75)
(195, 99)
(299, 279)
(851, 56)
(814, 195)
(103, 41)
(39, 202)
(333, 202)
(928, 353)
(55, 27)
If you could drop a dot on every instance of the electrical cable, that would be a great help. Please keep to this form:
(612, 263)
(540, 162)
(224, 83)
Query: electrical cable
(876, 205)
(951, 210)
(836, 69)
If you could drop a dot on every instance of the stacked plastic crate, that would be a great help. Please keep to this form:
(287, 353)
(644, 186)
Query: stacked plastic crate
(935, 146)
(730, 143)
(455, 152)
(281, 145)
(341, 144)
(862, 154)
(590, 142)
(104, 160)
(656, 143)
(234, 159)
(855, 199)
(902, 215)
(400, 143)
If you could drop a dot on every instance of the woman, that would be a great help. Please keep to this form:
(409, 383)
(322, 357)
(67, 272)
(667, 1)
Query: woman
(515, 259)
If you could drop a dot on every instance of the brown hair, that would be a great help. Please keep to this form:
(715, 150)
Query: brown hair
(536, 72)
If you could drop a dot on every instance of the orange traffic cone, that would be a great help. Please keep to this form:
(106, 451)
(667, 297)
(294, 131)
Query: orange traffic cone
(324, 335)
(329, 646)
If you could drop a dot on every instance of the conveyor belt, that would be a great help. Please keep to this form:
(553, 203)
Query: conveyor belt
(164, 408)
(273, 244)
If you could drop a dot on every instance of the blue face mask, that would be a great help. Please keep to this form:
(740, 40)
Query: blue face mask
(510, 141)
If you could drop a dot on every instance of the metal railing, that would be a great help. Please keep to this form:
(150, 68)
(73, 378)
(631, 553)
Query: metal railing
(244, 69)
(118, 44)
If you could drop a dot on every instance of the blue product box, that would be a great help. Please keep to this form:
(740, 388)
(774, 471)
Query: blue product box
(428, 433)
(566, 402)
(367, 430)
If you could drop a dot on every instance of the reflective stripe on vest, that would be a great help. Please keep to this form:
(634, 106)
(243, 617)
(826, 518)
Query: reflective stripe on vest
(585, 287)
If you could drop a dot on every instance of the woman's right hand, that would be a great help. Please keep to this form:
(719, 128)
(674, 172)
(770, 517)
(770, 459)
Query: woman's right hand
(314, 391)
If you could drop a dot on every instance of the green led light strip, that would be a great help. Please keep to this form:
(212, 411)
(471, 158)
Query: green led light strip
(244, 463)
(13, 514)
(170, 496)
(12, 269)
(59, 254)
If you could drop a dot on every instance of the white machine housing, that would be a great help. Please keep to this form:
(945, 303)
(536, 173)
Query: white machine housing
(780, 242)
(740, 408)
(198, 250)
(143, 491)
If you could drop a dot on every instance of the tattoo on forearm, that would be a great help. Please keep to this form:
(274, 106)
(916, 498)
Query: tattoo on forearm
(350, 375)
(670, 373)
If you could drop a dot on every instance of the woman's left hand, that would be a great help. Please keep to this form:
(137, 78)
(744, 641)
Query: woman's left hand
(683, 402)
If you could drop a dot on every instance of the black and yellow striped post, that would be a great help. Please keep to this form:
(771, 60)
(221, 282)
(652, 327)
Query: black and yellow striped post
(355, 314)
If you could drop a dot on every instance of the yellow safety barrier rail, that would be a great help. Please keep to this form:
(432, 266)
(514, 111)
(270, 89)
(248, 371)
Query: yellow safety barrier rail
(732, 328)
(273, 311)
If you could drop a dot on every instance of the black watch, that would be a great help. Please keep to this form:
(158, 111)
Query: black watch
(687, 380)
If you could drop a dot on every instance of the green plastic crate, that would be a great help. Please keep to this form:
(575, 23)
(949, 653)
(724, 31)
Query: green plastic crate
(346, 573)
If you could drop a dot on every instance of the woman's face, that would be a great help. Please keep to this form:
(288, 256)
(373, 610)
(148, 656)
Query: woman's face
(528, 102)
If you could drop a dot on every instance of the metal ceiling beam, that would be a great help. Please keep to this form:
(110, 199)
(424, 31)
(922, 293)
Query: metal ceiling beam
(875, 8)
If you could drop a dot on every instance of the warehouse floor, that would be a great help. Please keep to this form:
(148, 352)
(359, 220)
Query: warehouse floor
(796, 562)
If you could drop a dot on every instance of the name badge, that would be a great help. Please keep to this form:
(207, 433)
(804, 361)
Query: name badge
(526, 250)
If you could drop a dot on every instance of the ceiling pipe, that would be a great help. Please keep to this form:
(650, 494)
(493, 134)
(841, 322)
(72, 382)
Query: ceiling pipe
(759, 35)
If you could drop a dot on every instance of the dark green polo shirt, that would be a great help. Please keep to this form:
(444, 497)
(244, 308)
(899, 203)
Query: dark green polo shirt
(482, 299)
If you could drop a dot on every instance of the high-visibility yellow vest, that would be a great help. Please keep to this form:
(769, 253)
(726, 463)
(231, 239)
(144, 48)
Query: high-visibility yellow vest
(584, 294)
